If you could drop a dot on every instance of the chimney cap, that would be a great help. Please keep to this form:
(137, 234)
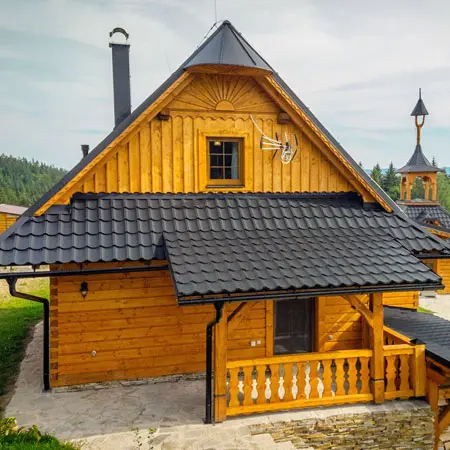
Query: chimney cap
(85, 149)
(121, 31)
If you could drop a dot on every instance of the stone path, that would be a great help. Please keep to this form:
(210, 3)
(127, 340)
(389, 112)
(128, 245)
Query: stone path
(119, 416)
(440, 305)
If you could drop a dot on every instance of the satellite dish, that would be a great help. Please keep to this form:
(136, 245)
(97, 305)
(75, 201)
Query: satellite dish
(288, 148)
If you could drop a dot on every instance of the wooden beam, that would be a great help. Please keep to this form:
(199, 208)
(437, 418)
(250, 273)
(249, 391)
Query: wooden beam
(433, 400)
(377, 363)
(444, 419)
(418, 375)
(269, 328)
(358, 304)
(239, 314)
(220, 367)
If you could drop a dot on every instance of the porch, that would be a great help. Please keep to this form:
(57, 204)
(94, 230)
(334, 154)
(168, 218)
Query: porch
(105, 418)
(387, 367)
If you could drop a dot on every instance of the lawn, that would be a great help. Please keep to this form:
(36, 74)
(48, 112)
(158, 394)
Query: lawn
(16, 319)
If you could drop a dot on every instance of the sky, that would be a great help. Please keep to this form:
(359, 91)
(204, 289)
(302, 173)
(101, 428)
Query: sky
(356, 64)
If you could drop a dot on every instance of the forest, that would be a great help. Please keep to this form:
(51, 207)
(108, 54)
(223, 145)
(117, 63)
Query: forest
(389, 180)
(23, 182)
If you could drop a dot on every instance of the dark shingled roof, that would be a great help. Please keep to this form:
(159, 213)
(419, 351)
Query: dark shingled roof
(203, 55)
(427, 328)
(422, 213)
(419, 109)
(226, 46)
(227, 243)
(418, 163)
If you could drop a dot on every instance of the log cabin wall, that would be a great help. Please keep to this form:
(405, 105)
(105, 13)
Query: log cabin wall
(133, 324)
(401, 299)
(442, 268)
(6, 220)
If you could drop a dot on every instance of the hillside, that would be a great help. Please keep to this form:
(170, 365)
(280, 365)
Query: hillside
(23, 182)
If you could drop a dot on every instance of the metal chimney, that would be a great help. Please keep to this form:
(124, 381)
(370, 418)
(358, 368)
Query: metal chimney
(121, 76)
(85, 149)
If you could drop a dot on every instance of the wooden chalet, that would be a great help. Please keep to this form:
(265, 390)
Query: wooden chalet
(427, 211)
(9, 214)
(179, 246)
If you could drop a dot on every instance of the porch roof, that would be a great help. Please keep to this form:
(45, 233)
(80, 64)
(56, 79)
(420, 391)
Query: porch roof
(421, 213)
(233, 243)
(432, 330)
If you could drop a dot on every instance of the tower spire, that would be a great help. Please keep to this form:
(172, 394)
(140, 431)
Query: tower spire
(419, 111)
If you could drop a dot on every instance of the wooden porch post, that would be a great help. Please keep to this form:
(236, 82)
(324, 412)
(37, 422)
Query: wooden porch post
(377, 363)
(433, 400)
(220, 367)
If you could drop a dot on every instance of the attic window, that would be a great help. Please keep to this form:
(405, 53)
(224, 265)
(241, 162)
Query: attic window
(225, 162)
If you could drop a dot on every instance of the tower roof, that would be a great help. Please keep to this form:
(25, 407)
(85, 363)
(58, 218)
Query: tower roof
(418, 163)
(419, 109)
(226, 46)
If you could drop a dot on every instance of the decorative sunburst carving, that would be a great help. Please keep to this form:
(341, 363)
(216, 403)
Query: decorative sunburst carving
(224, 93)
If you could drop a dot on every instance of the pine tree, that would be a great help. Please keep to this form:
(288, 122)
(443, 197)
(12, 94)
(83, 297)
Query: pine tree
(434, 162)
(418, 191)
(391, 182)
(22, 182)
(376, 174)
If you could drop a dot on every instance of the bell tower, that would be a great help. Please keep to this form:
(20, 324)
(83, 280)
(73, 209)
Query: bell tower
(418, 165)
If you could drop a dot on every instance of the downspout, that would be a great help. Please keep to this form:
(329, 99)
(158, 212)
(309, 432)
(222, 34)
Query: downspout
(209, 334)
(45, 303)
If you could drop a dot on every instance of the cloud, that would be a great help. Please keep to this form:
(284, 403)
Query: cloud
(357, 65)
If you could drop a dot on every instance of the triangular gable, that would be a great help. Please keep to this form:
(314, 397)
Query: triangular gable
(175, 84)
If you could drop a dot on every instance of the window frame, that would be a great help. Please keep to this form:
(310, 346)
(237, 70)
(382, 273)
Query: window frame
(219, 182)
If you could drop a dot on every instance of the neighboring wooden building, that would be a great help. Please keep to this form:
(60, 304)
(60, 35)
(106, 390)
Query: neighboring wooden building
(178, 227)
(427, 211)
(9, 214)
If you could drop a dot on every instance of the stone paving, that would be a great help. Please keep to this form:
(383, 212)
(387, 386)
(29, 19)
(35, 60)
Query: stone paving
(119, 416)
(440, 305)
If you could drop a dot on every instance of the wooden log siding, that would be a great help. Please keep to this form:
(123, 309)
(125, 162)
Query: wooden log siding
(6, 220)
(134, 325)
(401, 299)
(443, 270)
(339, 326)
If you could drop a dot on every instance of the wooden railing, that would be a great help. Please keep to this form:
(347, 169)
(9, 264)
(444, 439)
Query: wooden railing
(296, 381)
(321, 379)
(392, 337)
(405, 369)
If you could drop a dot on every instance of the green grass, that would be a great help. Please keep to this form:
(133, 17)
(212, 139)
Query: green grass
(16, 318)
(425, 310)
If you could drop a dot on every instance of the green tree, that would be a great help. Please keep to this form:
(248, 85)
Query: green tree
(23, 182)
(376, 174)
(434, 162)
(443, 190)
(390, 182)
(418, 191)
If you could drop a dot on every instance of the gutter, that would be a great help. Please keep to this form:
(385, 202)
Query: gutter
(433, 256)
(65, 273)
(14, 293)
(209, 377)
(183, 301)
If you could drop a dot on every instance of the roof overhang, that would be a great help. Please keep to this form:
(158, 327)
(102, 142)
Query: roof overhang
(306, 293)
